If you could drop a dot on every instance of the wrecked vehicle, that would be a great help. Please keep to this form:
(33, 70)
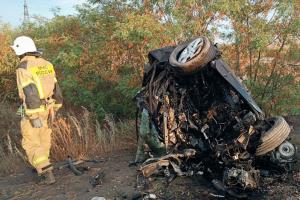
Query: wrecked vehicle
(198, 118)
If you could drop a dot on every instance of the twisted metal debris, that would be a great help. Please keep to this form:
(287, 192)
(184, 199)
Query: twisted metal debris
(198, 118)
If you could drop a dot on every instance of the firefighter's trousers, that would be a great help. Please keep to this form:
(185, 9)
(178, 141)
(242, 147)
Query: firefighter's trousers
(37, 142)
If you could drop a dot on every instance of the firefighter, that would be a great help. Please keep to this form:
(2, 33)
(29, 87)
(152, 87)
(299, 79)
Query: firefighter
(41, 97)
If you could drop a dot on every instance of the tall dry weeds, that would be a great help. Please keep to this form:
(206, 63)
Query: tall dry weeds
(9, 128)
(11, 153)
(81, 136)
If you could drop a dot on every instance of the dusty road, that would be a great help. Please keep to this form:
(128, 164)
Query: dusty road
(120, 182)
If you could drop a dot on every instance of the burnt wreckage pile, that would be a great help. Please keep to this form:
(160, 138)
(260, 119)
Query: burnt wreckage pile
(198, 118)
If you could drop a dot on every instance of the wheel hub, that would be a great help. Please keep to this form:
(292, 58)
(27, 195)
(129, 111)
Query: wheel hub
(190, 51)
(287, 150)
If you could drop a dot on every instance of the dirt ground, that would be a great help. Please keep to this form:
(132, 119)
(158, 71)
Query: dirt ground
(120, 182)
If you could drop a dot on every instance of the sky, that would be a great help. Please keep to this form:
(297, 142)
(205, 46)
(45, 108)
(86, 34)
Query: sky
(11, 11)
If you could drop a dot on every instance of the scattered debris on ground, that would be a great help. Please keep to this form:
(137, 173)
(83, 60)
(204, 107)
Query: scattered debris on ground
(97, 179)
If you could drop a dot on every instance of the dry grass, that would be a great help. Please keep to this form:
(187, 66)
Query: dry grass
(83, 137)
(11, 154)
(78, 135)
(9, 127)
(10, 164)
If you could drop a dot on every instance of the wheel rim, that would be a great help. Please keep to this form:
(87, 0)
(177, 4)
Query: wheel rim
(287, 149)
(190, 51)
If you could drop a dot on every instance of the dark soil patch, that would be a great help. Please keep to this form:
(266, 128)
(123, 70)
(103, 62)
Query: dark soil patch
(120, 182)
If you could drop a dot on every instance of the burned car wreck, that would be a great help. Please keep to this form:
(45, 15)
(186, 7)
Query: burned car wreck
(198, 118)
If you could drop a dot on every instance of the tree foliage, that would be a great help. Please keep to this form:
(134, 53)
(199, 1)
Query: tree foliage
(99, 53)
(265, 37)
(7, 63)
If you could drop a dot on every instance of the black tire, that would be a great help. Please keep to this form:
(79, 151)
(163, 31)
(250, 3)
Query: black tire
(203, 56)
(273, 137)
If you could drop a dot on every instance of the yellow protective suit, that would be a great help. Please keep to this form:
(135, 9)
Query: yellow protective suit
(41, 95)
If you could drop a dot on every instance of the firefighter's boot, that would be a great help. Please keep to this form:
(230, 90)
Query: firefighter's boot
(47, 178)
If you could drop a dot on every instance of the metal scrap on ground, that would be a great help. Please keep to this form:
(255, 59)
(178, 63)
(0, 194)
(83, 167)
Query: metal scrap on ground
(71, 164)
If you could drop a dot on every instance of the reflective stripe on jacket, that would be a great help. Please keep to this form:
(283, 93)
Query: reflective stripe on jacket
(37, 82)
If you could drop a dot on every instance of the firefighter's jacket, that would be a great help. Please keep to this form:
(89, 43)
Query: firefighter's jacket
(37, 85)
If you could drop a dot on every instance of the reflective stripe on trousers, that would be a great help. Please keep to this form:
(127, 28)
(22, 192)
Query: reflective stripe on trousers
(39, 160)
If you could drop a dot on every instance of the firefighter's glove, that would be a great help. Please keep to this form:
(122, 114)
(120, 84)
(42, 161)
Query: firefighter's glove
(36, 123)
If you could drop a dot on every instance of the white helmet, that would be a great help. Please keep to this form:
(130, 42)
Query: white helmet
(23, 44)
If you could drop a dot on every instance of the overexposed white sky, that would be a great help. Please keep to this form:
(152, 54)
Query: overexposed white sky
(11, 11)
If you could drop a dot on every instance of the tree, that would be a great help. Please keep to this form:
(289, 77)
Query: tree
(262, 32)
(8, 63)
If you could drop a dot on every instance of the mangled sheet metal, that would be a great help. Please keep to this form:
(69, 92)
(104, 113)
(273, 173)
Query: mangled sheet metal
(197, 117)
(155, 166)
